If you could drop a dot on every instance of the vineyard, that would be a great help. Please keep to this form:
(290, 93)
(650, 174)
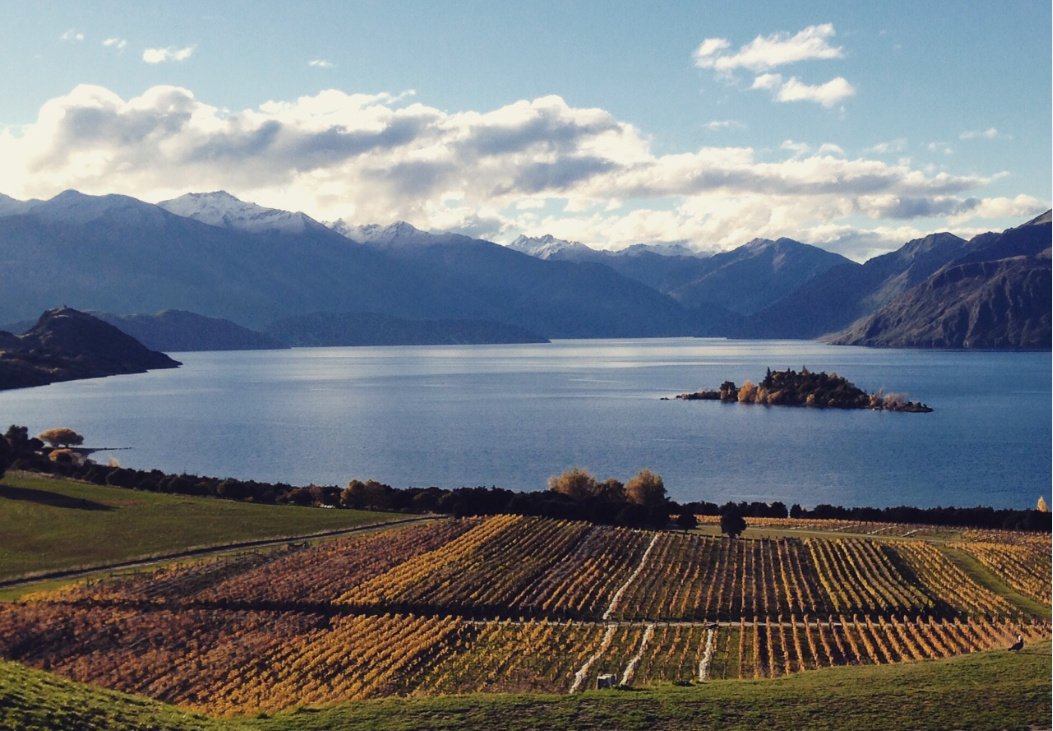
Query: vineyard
(511, 603)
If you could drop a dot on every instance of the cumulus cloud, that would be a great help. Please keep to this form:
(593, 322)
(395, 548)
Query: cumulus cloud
(536, 166)
(119, 43)
(161, 55)
(319, 63)
(764, 53)
(72, 35)
(794, 90)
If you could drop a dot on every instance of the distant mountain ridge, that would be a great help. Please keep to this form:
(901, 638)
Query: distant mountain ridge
(742, 281)
(224, 259)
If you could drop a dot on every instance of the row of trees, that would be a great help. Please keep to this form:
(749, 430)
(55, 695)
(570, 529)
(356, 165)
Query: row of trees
(574, 495)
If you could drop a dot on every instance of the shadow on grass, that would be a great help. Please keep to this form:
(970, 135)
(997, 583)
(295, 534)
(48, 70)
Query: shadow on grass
(52, 499)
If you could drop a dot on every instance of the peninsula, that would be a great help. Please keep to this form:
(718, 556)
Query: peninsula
(804, 388)
(67, 345)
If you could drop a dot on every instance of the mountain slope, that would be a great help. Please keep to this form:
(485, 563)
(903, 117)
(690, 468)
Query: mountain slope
(556, 299)
(996, 296)
(117, 254)
(181, 331)
(742, 281)
(839, 296)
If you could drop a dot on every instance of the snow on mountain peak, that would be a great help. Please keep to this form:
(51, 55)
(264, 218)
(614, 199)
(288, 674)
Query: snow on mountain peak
(547, 246)
(399, 232)
(224, 210)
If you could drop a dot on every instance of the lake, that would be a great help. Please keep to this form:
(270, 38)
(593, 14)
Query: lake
(512, 415)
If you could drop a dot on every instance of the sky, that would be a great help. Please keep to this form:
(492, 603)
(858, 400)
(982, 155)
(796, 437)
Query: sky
(851, 126)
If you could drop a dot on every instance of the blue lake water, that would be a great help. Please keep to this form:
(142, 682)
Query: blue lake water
(512, 415)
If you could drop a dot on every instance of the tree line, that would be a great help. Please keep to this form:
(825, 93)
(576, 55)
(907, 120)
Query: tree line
(642, 502)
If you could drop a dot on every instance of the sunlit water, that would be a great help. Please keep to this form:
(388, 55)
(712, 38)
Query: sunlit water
(512, 415)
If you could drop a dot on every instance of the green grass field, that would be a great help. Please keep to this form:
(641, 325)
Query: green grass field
(50, 524)
(987, 691)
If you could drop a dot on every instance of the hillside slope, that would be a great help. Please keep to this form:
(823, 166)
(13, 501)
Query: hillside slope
(836, 298)
(996, 296)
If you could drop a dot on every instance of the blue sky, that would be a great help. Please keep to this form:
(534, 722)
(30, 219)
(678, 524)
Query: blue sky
(854, 126)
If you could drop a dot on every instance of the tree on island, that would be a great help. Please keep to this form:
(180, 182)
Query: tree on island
(61, 436)
(732, 524)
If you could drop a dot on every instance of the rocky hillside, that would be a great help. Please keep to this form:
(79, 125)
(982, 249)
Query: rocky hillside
(996, 296)
(67, 345)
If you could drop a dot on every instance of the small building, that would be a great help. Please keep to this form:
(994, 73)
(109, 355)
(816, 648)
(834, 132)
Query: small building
(605, 681)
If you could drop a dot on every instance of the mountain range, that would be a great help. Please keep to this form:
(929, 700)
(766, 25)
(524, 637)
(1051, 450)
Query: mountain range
(216, 256)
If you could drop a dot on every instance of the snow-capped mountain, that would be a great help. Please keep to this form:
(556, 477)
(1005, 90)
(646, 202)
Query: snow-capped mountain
(549, 247)
(396, 234)
(663, 250)
(224, 210)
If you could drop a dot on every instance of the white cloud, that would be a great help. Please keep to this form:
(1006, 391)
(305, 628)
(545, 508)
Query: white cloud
(764, 53)
(829, 148)
(990, 133)
(119, 43)
(320, 64)
(1019, 207)
(793, 90)
(719, 124)
(892, 146)
(797, 148)
(382, 157)
(72, 35)
(827, 94)
(943, 147)
(161, 55)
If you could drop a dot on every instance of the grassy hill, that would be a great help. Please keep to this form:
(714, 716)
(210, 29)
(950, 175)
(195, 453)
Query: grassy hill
(985, 691)
(50, 524)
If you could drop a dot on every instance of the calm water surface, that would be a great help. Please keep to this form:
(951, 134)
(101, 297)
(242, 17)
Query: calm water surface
(512, 415)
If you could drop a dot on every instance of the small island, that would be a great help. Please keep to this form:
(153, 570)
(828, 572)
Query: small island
(804, 388)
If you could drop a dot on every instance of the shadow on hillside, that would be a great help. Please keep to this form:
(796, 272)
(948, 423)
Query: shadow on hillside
(55, 500)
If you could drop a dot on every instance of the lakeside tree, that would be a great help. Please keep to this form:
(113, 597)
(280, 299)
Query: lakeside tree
(61, 436)
(646, 489)
(575, 483)
(732, 523)
(6, 455)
